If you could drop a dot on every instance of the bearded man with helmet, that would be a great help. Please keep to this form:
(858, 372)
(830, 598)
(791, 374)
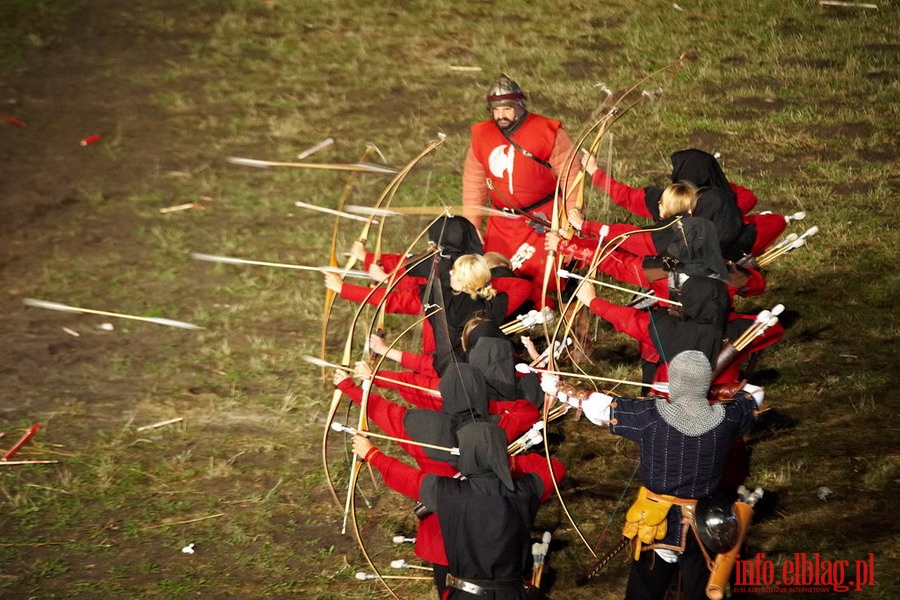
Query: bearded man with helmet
(514, 162)
(676, 524)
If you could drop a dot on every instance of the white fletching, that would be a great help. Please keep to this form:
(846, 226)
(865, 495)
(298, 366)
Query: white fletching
(532, 434)
(547, 537)
(528, 320)
(364, 576)
(549, 315)
(523, 368)
(399, 564)
(533, 440)
(331, 211)
(172, 323)
(810, 232)
(369, 211)
(249, 162)
(496, 212)
(315, 360)
(763, 316)
(560, 346)
(399, 539)
(373, 168)
(797, 216)
(789, 239)
(661, 386)
(338, 427)
(50, 305)
(219, 259)
(777, 310)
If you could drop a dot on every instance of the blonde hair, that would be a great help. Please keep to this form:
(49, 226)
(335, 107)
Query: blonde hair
(495, 259)
(474, 276)
(677, 198)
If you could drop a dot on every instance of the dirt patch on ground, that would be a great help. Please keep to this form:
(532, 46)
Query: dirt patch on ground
(96, 79)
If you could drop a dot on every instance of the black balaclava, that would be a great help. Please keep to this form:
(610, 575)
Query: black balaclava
(455, 236)
(700, 168)
(483, 458)
(464, 400)
(492, 353)
(695, 245)
(701, 327)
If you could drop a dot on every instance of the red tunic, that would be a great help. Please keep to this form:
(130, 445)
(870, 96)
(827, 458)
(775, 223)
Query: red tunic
(628, 267)
(768, 227)
(517, 181)
(516, 416)
(408, 481)
(389, 418)
(517, 289)
(637, 324)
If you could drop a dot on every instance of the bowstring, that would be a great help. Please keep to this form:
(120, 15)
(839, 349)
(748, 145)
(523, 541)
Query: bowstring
(438, 293)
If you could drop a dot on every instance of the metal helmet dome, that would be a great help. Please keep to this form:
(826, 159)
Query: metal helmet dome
(717, 525)
(505, 92)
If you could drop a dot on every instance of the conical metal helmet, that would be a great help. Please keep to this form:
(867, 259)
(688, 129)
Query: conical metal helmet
(505, 92)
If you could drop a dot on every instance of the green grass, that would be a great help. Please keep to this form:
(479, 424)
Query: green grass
(798, 99)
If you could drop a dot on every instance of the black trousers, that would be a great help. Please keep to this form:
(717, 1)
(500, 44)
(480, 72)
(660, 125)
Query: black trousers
(651, 576)
(440, 578)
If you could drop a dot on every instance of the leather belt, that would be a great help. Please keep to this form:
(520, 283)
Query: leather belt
(479, 587)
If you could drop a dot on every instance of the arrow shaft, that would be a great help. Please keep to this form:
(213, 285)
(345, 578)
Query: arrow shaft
(352, 431)
(315, 148)
(366, 168)
(623, 289)
(331, 211)
(90, 311)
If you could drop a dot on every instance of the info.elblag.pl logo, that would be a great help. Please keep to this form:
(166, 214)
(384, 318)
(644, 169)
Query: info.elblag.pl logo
(803, 573)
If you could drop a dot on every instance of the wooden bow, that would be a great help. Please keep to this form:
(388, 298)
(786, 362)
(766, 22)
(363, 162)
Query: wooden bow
(602, 252)
(560, 220)
(330, 295)
(363, 425)
(385, 286)
(554, 262)
(389, 192)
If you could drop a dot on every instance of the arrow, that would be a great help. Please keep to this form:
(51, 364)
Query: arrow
(264, 164)
(67, 308)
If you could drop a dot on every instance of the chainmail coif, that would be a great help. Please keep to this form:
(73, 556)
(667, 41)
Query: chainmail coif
(688, 409)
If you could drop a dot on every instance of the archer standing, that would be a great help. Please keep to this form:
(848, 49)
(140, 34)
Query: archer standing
(514, 162)
(683, 443)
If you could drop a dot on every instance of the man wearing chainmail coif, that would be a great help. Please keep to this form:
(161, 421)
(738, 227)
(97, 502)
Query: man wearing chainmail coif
(683, 446)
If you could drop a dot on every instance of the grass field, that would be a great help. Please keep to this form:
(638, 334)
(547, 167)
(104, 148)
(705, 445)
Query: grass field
(799, 100)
